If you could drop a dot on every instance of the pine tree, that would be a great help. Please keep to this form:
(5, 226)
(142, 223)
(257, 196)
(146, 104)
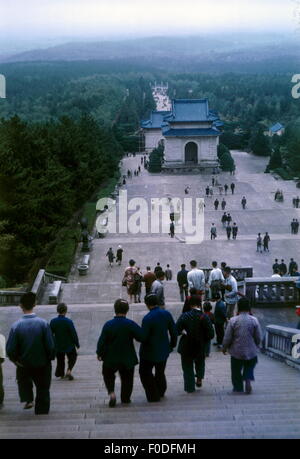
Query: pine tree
(260, 143)
(275, 160)
(225, 158)
(156, 159)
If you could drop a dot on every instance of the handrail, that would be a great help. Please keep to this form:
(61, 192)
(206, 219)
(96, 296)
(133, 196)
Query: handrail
(56, 277)
(283, 343)
(271, 291)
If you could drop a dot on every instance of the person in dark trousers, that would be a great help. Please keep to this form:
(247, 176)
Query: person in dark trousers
(31, 348)
(220, 320)
(228, 231)
(226, 188)
(282, 268)
(168, 273)
(232, 186)
(182, 282)
(149, 278)
(196, 330)
(110, 255)
(160, 338)
(276, 265)
(293, 226)
(266, 241)
(66, 342)
(292, 267)
(224, 219)
(216, 204)
(259, 243)
(119, 255)
(242, 337)
(213, 232)
(207, 309)
(235, 230)
(116, 350)
(172, 230)
(223, 204)
(229, 219)
(244, 202)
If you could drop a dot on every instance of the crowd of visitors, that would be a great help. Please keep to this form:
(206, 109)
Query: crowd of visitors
(33, 344)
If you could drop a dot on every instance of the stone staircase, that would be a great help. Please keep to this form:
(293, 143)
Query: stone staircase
(79, 409)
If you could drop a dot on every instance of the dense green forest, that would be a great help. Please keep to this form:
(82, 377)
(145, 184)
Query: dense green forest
(74, 122)
(61, 148)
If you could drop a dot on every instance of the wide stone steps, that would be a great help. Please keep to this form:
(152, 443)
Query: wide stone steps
(79, 408)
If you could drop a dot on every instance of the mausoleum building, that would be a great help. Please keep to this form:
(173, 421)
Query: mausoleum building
(190, 134)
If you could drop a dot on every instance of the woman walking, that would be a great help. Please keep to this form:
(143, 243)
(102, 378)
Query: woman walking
(129, 280)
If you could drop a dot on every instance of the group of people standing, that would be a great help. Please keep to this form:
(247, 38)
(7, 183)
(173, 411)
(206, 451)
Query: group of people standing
(221, 188)
(231, 230)
(281, 269)
(294, 226)
(262, 243)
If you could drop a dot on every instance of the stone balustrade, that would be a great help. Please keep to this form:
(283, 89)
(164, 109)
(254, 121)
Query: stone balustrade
(271, 291)
(12, 298)
(283, 343)
(240, 274)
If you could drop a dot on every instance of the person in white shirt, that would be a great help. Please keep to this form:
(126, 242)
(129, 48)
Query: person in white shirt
(196, 278)
(231, 292)
(2, 358)
(215, 280)
(276, 273)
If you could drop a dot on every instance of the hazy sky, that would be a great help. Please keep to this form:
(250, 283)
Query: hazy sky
(110, 18)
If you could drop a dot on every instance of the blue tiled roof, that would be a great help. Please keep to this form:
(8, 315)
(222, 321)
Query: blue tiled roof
(190, 110)
(191, 132)
(183, 111)
(277, 127)
(156, 120)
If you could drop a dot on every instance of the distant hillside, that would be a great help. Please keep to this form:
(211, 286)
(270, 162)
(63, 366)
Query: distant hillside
(230, 53)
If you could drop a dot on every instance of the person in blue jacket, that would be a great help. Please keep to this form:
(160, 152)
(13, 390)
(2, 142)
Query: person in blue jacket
(31, 348)
(220, 320)
(66, 341)
(116, 349)
(160, 338)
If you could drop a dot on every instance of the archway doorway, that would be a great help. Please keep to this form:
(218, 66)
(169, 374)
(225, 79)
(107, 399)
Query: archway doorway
(191, 153)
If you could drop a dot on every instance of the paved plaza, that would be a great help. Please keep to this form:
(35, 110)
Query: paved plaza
(262, 214)
(80, 408)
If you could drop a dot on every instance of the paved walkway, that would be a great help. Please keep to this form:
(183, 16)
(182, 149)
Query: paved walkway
(262, 214)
